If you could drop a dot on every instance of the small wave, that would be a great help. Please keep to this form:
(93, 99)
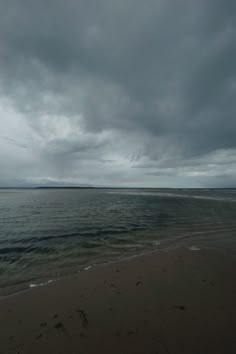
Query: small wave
(8, 251)
(176, 195)
(79, 234)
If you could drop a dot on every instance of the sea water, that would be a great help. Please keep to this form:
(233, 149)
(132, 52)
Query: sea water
(48, 233)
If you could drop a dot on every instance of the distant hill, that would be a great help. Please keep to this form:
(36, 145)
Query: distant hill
(65, 187)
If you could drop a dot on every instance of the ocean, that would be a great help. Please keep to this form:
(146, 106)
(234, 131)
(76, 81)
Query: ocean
(46, 234)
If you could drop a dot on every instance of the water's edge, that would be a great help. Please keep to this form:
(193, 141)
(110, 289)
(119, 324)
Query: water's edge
(42, 282)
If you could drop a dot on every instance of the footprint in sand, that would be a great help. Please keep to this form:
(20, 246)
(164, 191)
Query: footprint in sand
(181, 307)
(43, 324)
(83, 317)
(39, 336)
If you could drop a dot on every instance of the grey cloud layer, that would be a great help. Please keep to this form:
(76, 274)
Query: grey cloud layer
(106, 86)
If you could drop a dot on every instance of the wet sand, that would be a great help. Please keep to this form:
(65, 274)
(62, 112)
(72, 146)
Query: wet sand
(179, 301)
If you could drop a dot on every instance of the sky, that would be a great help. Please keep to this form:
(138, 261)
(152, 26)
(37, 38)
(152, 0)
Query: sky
(123, 93)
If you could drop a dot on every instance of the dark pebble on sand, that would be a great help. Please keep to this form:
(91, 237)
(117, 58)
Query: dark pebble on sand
(181, 307)
(58, 325)
(139, 283)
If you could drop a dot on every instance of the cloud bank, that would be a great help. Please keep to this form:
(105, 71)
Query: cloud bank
(118, 93)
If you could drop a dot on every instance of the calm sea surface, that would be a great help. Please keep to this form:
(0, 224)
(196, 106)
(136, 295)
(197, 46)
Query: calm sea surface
(47, 233)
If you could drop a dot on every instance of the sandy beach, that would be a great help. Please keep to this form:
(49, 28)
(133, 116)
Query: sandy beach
(179, 301)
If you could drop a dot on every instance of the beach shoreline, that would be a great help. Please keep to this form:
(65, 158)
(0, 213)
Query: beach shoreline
(175, 301)
(71, 272)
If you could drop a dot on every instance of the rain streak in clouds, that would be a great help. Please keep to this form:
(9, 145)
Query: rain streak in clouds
(118, 93)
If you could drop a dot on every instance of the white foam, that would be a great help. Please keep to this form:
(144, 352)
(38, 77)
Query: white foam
(87, 268)
(194, 248)
(156, 243)
(41, 284)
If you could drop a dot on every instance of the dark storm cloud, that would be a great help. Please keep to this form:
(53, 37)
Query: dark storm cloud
(141, 84)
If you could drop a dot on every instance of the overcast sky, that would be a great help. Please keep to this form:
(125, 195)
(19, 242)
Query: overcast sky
(118, 93)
